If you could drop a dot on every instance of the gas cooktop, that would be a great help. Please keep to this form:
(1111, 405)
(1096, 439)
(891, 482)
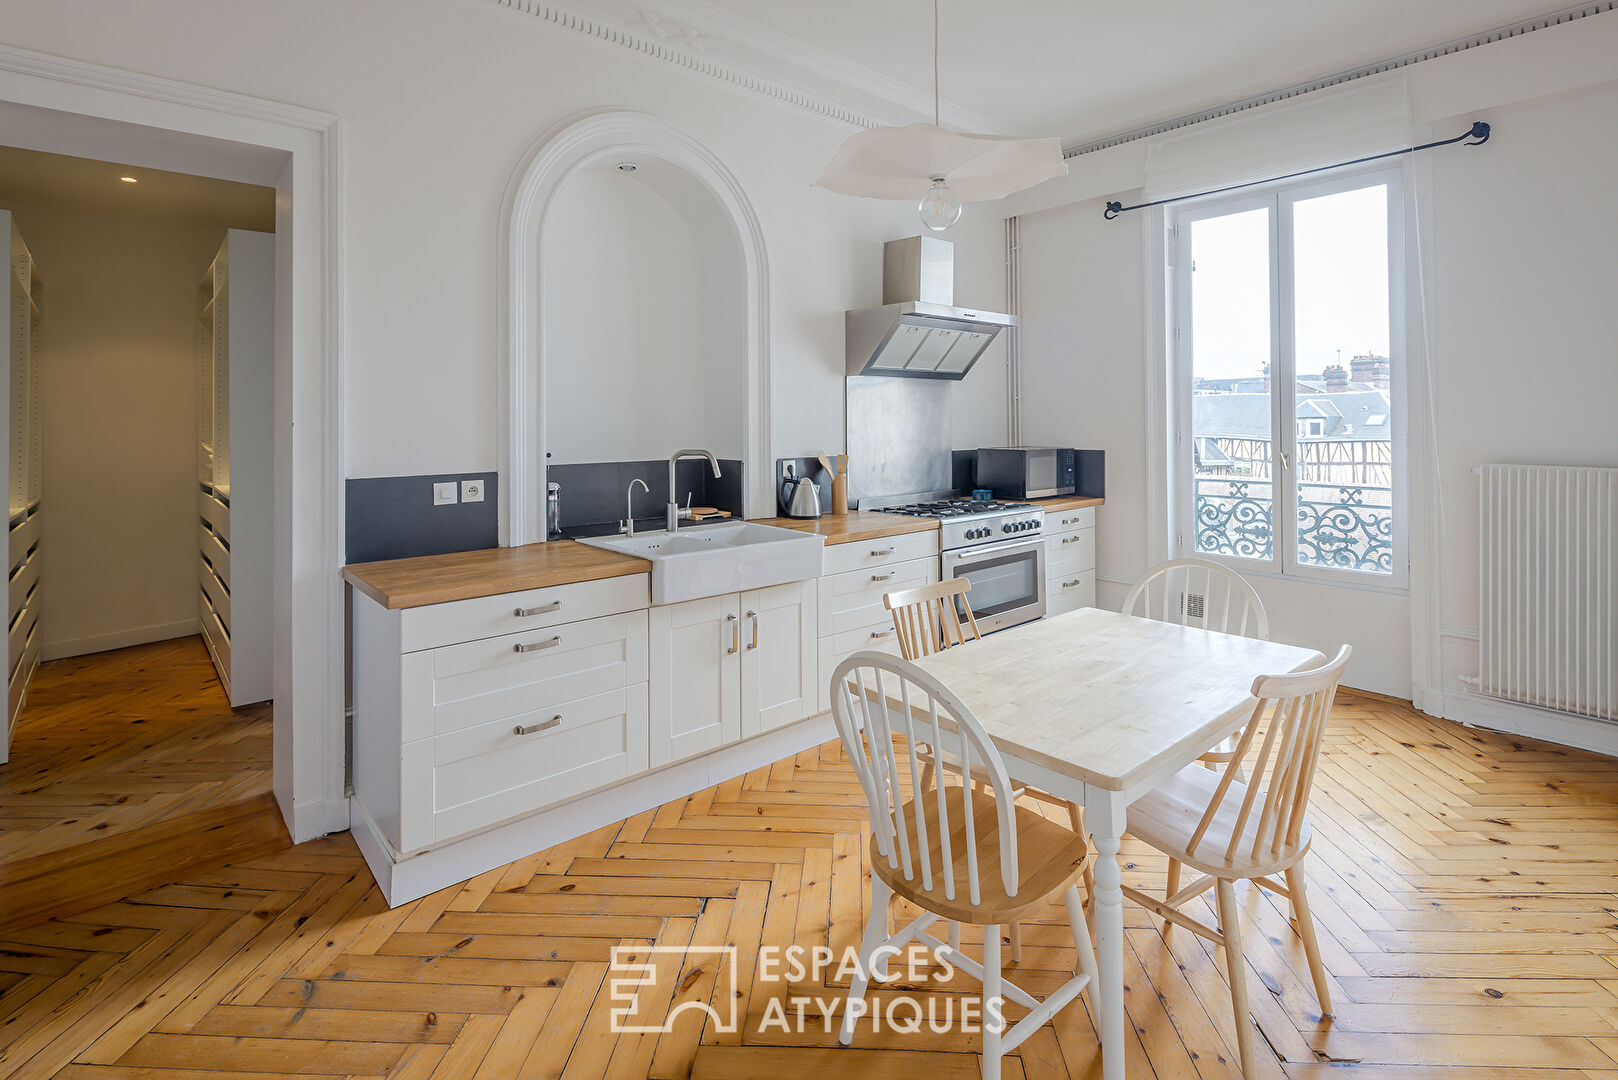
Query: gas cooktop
(949, 508)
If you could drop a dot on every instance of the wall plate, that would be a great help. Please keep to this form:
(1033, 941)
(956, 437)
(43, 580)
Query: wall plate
(471, 491)
(444, 493)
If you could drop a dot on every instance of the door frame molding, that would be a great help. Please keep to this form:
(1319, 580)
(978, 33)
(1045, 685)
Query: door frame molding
(548, 163)
(309, 730)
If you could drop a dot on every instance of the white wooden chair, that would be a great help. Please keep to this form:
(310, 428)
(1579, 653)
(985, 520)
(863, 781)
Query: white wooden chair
(1204, 594)
(929, 619)
(955, 852)
(1230, 830)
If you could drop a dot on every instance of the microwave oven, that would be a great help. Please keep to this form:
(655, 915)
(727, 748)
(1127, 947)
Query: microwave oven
(1027, 472)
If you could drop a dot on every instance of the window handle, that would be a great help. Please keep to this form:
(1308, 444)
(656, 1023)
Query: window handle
(1286, 460)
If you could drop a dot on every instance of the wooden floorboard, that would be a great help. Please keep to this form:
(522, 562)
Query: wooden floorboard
(129, 771)
(1462, 882)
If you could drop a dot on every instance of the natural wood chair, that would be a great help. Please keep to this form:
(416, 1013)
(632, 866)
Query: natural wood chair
(1204, 594)
(928, 619)
(956, 852)
(1230, 830)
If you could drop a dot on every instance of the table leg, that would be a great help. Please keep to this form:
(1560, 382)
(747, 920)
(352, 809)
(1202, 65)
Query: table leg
(1104, 811)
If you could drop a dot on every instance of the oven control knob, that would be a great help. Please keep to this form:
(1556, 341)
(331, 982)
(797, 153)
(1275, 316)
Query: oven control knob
(1006, 527)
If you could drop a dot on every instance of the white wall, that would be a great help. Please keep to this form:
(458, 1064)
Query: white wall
(645, 318)
(118, 400)
(1512, 279)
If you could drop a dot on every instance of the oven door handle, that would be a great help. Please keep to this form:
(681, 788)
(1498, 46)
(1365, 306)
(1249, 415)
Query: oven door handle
(1003, 547)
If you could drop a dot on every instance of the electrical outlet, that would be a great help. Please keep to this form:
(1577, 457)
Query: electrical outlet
(789, 470)
(471, 490)
(444, 494)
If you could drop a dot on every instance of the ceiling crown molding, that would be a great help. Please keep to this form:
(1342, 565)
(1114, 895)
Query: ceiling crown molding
(704, 39)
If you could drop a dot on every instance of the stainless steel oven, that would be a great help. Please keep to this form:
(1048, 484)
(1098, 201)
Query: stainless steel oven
(1008, 580)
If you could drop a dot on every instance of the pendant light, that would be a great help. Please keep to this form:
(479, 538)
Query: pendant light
(943, 169)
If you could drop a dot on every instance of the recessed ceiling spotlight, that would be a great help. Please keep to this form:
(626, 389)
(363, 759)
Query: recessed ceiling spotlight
(129, 179)
(627, 166)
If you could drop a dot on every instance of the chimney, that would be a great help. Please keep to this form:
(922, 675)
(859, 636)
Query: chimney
(1336, 379)
(1373, 370)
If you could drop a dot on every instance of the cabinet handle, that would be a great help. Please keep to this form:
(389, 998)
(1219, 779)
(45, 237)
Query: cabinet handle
(535, 646)
(754, 616)
(543, 609)
(1070, 521)
(531, 728)
(878, 635)
(879, 554)
(1072, 539)
(1070, 584)
(881, 577)
(735, 634)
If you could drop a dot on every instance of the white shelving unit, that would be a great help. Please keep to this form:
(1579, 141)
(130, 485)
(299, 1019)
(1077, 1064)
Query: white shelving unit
(22, 436)
(236, 462)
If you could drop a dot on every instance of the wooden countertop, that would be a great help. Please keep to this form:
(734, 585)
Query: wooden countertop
(854, 527)
(438, 579)
(1067, 502)
(857, 526)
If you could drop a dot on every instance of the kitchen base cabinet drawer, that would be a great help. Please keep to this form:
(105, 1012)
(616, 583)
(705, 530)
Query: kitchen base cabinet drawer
(842, 558)
(1065, 521)
(853, 600)
(501, 677)
(495, 616)
(485, 775)
(1071, 553)
(1076, 590)
(839, 647)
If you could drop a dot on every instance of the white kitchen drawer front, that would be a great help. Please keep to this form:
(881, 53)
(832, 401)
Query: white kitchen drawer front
(834, 650)
(842, 558)
(853, 600)
(500, 678)
(1073, 591)
(495, 616)
(1065, 521)
(1065, 554)
(489, 774)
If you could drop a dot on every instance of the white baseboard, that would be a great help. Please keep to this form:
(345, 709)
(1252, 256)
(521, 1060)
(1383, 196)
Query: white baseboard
(1512, 718)
(121, 639)
(406, 878)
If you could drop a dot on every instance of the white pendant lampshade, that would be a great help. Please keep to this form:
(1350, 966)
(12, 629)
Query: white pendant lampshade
(939, 169)
(903, 162)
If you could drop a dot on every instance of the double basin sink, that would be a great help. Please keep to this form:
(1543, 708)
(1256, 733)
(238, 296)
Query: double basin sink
(712, 560)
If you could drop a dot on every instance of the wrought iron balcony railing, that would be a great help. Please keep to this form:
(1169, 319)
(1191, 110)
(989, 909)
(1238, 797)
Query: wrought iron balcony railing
(1346, 526)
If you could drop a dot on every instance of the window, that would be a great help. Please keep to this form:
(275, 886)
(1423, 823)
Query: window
(1288, 362)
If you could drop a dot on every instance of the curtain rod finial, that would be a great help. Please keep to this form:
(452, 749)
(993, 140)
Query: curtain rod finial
(1479, 133)
(1113, 210)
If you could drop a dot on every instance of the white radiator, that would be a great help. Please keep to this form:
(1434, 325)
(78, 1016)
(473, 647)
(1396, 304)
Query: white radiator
(1548, 587)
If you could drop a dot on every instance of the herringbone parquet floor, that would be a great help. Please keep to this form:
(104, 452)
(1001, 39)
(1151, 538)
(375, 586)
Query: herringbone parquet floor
(1464, 884)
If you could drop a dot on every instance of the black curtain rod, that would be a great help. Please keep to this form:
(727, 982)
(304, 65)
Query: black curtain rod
(1479, 134)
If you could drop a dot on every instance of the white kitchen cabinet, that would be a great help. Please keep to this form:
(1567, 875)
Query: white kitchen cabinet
(20, 431)
(728, 667)
(852, 617)
(455, 734)
(779, 657)
(696, 675)
(236, 462)
(1070, 560)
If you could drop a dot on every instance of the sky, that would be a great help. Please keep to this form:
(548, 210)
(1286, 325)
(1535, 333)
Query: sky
(1340, 258)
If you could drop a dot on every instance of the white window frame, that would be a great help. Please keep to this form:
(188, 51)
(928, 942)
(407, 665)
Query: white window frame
(1285, 437)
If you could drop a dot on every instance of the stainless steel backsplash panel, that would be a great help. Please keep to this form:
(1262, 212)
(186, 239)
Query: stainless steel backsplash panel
(898, 436)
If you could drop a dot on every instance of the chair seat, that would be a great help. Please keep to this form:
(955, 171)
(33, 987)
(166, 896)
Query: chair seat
(1049, 859)
(1167, 817)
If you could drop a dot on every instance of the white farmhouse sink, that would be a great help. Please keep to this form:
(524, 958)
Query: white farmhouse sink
(711, 560)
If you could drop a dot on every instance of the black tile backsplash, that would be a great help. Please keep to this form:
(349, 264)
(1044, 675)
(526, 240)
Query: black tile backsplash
(393, 517)
(593, 494)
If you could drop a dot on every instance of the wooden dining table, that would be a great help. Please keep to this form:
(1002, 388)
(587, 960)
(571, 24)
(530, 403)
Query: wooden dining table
(1099, 708)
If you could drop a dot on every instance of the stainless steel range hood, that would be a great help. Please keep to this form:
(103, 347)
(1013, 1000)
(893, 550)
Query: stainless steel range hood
(918, 333)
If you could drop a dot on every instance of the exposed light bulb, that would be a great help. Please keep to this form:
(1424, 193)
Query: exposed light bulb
(939, 208)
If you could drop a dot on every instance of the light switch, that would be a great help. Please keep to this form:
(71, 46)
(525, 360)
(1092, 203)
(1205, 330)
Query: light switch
(444, 494)
(471, 490)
